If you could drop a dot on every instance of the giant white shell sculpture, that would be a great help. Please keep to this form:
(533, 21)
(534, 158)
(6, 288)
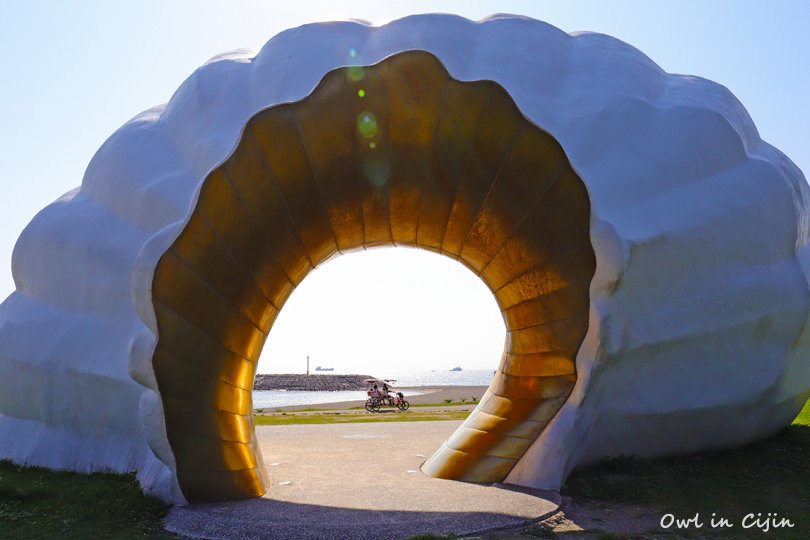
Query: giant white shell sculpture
(647, 248)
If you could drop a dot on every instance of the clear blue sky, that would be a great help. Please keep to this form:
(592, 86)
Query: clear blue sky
(73, 72)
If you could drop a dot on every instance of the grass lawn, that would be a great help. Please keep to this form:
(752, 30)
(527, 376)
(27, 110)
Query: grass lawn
(447, 403)
(40, 503)
(770, 476)
(347, 418)
(804, 416)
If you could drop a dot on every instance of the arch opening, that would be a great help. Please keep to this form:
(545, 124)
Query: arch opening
(388, 312)
(397, 153)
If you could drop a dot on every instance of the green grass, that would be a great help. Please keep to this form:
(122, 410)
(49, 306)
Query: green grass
(769, 476)
(537, 531)
(348, 418)
(445, 404)
(804, 416)
(40, 503)
(361, 407)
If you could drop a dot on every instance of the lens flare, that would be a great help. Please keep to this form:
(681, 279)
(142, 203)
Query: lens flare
(356, 73)
(376, 169)
(367, 125)
(361, 93)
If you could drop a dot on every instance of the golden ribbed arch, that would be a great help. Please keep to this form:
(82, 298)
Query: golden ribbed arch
(397, 153)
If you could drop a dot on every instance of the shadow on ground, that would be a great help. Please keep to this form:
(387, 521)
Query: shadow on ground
(268, 518)
(360, 481)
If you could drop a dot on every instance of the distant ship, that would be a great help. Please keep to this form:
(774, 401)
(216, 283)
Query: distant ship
(319, 368)
(457, 368)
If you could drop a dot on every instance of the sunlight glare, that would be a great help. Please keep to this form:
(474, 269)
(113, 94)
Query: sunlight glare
(403, 309)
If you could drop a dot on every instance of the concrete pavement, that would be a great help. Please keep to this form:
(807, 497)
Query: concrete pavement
(360, 481)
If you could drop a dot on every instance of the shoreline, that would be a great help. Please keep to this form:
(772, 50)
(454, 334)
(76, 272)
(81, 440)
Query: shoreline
(428, 394)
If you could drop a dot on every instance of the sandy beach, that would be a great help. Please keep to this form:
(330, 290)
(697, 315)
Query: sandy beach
(428, 394)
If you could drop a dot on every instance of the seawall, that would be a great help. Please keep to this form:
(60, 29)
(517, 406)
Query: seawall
(311, 382)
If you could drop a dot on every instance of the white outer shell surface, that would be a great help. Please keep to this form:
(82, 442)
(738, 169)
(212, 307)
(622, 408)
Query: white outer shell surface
(698, 334)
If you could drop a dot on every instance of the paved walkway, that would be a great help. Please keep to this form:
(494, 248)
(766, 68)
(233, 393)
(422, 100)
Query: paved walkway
(360, 481)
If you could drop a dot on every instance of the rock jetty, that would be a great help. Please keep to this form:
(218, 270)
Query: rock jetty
(310, 382)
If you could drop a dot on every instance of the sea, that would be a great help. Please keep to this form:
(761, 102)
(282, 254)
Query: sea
(404, 379)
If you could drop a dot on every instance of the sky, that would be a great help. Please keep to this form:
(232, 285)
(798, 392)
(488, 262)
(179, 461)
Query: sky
(73, 72)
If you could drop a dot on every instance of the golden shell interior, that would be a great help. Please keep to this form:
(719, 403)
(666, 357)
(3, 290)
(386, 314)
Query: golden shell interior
(398, 153)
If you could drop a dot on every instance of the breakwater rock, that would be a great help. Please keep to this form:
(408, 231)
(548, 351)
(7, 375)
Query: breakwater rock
(310, 382)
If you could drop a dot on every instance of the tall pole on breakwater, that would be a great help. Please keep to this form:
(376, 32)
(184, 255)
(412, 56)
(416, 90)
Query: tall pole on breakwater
(307, 364)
